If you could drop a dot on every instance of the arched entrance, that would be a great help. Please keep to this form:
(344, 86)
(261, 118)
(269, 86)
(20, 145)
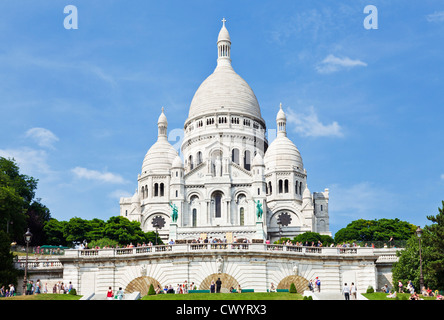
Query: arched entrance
(227, 282)
(142, 285)
(300, 283)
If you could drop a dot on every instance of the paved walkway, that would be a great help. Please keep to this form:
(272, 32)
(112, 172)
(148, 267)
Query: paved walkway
(329, 295)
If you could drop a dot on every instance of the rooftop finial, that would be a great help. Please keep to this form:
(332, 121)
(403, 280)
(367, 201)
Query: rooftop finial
(223, 21)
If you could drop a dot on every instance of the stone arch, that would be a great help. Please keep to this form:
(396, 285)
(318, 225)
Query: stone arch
(227, 282)
(300, 283)
(141, 284)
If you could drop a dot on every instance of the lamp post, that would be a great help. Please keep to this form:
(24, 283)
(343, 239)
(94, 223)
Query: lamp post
(28, 237)
(421, 278)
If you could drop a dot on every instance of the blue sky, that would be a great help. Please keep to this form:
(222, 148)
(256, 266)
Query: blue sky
(365, 106)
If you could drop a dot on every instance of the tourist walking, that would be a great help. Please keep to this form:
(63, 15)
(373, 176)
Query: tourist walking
(346, 291)
(212, 286)
(400, 286)
(318, 284)
(218, 285)
(353, 291)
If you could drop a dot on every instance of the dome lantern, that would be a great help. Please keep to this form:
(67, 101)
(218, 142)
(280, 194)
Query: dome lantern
(223, 46)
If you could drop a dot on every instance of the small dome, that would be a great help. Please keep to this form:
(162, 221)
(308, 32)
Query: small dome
(159, 157)
(177, 163)
(282, 153)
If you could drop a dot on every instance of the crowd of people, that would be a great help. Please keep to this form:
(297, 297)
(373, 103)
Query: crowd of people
(410, 288)
(32, 288)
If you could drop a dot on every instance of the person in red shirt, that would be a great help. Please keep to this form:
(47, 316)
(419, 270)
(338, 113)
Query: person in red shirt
(109, 294)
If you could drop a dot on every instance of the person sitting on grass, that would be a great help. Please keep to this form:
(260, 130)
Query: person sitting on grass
(392, 294)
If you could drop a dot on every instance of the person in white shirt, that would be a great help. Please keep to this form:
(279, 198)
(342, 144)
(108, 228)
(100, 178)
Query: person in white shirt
(353, 291)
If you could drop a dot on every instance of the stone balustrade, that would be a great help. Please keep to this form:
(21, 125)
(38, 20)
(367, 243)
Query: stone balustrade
(382, 255)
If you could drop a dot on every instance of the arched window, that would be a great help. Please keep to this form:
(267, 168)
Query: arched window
(241, 216)
(247, 160)
(300, 188)
(286, 186)
(235, 156)
(296, 187)
(191, 162)
(217, 198)
(161, 189)
(269, 188)
(194, 218)
(156, 189)
(199, 158)
(146, 191)
(280, 186)
(142, 191)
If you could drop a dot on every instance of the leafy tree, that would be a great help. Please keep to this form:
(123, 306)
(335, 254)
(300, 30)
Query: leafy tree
(104, 242)
(432, 254)
(8, 274)
(76, 229)
(433, 239)
(375, 230)
(53, 230)
(124, 231)
(18, 208)
(313, 237)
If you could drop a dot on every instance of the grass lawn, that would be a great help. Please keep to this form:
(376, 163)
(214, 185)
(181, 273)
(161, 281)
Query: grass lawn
(227, 296)
(383, 296)
(45, 297)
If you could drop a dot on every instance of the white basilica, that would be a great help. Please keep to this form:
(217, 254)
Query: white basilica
(230, 184)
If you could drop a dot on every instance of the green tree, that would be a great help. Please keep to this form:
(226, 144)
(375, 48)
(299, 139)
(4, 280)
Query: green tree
(434, 240)
(375, 230)
(76, 229)
(432, 254)
(313, 237)
(18, 208)
(8, 274)
(124, 231)
(53, 230)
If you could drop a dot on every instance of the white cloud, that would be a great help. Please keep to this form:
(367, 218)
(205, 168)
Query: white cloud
(332, 64)
(83, 173)
(309, 125)
(31, 162)
(43, 137)
(437, 16)
(442, 176)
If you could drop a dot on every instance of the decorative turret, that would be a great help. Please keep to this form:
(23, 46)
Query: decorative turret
(223, 46)
(281, 121)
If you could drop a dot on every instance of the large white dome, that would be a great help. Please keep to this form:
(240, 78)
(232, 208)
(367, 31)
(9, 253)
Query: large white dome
(224, 90)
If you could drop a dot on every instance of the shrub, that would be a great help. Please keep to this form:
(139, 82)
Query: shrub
(308, 298)
(73, 292)
(292, 288)
(151, 291)
(370, 289)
